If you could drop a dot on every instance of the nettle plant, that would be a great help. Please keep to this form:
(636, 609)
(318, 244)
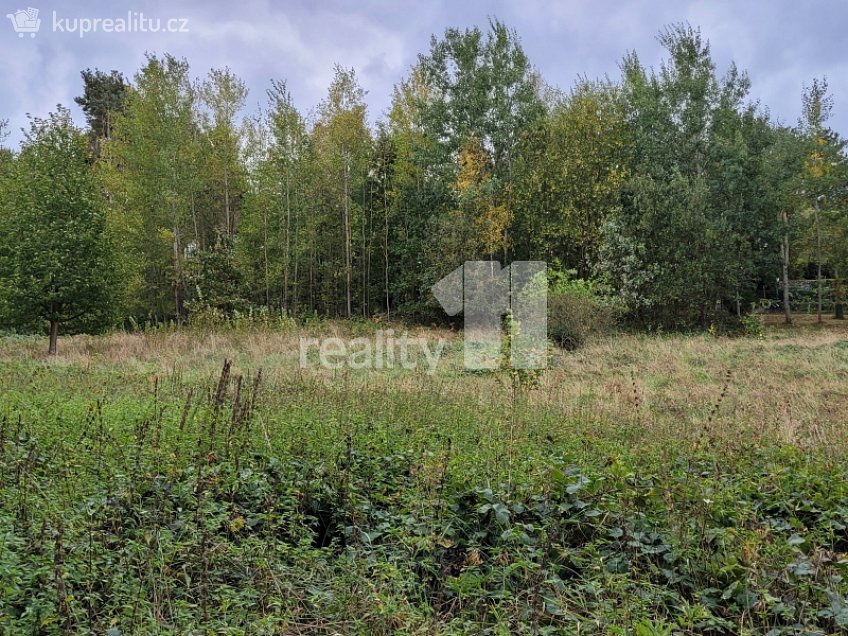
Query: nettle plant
(519, 378)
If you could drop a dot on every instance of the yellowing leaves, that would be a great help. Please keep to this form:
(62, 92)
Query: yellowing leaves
(237, 524)
(476, 193)
(473, 168)
(491, 226)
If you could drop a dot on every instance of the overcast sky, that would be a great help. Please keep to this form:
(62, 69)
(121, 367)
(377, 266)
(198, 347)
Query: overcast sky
(782, 44)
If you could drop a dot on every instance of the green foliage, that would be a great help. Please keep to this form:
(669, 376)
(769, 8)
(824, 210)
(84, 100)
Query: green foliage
(57, 261)
(457, 121)
(822, 182)
(149, 166)
(521, 378)
(577, 309)
(102, 99)
(215, 281)
(328, 505)
(568, 176)
(668, 185)
(340, 143)
(752, 324)
(276, 223)
(221, 98)
(232, 514)
(694, 232)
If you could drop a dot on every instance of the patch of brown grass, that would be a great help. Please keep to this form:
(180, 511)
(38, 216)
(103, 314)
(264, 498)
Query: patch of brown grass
(791, 385)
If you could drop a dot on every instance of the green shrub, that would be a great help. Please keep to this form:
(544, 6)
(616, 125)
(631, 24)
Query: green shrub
(216, 288)
(577, 310)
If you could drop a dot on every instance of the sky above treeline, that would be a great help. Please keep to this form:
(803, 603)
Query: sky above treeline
(782, 44)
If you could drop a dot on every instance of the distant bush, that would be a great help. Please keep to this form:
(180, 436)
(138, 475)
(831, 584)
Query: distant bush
(752, 325)
(577, 309)
(252, 318)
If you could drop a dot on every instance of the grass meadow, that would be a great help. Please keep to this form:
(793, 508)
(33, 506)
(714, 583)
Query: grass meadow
(201, 482)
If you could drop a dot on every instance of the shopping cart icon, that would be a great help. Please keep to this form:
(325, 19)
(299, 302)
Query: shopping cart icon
(25, 21)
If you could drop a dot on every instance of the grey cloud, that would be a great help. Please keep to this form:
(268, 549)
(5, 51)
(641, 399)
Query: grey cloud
(782, 44)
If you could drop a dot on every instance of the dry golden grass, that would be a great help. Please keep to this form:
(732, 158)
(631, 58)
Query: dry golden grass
(790, 385)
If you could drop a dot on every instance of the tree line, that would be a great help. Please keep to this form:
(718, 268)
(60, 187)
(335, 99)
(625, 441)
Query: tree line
(668, 188)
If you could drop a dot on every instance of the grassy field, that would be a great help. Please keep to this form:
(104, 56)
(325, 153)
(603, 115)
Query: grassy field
(648, 485)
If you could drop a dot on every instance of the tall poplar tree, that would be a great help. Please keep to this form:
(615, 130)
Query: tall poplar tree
(151, 167)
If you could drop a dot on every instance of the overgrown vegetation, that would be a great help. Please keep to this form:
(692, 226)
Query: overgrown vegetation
(188, 473)
(577, 310)
(687, 485)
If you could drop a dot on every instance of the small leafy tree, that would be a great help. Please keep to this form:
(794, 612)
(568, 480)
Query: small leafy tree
(57, 251)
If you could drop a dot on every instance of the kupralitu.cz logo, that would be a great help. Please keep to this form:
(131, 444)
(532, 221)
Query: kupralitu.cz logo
(26, 21)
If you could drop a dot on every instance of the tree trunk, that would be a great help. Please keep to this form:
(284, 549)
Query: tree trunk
(818, 260)
(197, 243)
(265, 256)
(295, 280)
(386, 246)
(367, 241)
(178, 298)
(347, 231)
(227, 200)
(178, 295)
(312, 277)
(787, 310)
(287, 258)
(54, 337)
